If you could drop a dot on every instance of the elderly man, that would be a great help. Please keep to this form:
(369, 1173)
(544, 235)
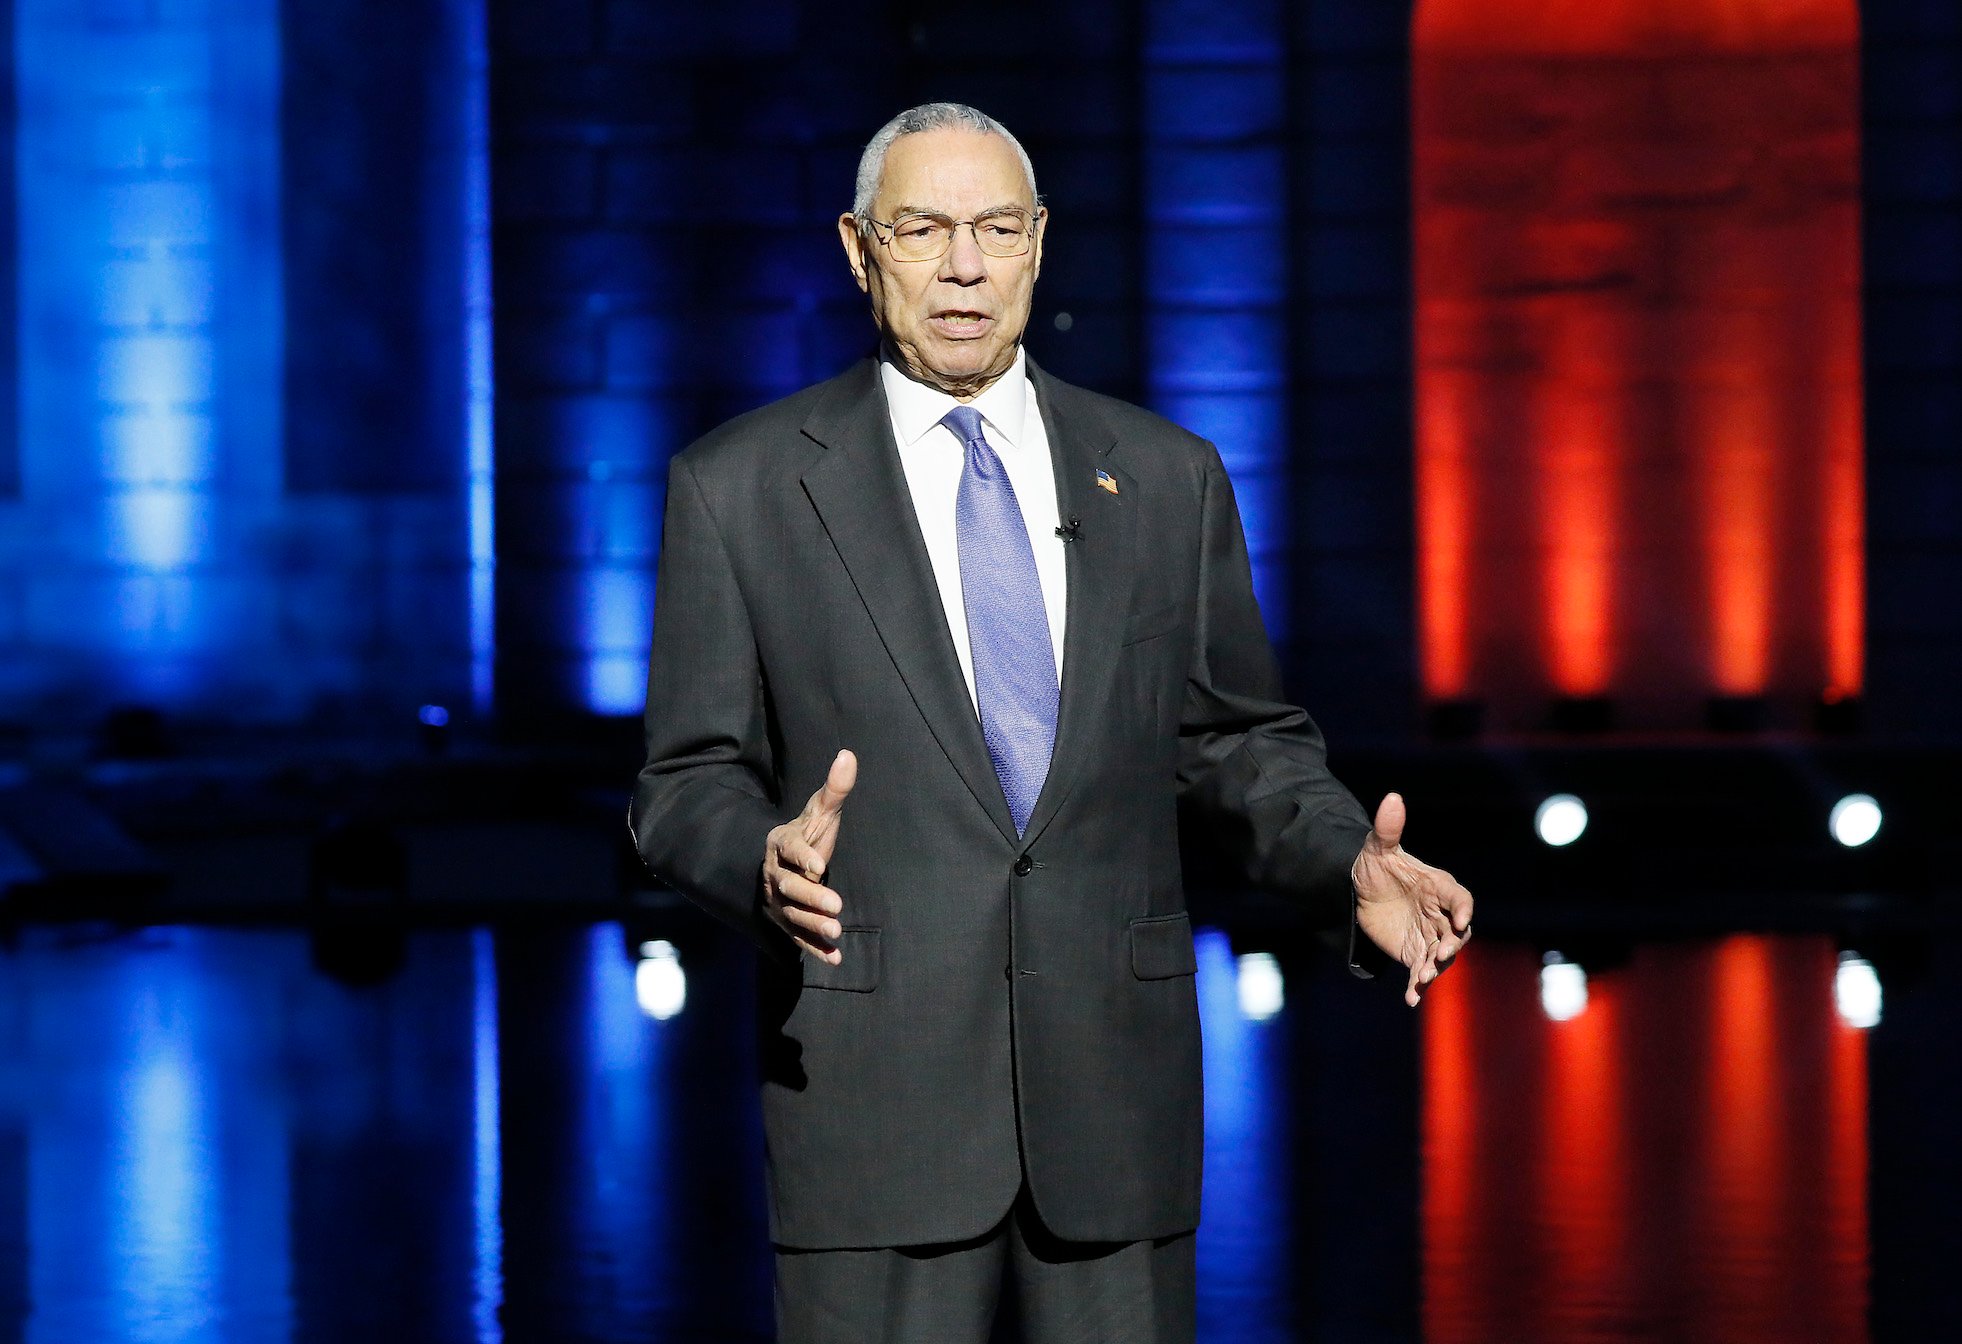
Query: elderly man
(1000, 631)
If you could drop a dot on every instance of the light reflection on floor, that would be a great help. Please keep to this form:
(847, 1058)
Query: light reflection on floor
(475, 1136)
(1683, 1159)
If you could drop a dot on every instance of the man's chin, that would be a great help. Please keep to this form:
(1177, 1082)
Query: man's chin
(961, 368)
(966, 362)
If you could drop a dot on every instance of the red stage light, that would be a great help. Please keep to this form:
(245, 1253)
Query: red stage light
(1639, 457)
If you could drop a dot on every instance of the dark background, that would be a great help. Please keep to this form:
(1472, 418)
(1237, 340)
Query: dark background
(343, 347)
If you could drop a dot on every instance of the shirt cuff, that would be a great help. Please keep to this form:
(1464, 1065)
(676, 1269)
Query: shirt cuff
(1356, 967)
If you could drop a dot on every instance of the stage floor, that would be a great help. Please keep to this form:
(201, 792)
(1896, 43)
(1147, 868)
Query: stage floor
(475, 1133)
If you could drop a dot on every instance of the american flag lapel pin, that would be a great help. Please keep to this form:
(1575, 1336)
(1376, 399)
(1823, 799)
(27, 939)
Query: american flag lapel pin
(1107, 481)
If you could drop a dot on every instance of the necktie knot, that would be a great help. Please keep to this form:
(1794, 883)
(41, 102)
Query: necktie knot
(965, 421)
(982, 460)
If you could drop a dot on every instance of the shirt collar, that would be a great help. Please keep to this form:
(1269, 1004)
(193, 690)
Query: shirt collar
(917, 408)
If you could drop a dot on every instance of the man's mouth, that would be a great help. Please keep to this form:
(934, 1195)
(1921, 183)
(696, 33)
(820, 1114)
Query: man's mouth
(960, 322)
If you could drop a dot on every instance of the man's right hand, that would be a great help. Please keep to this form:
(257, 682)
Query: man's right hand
(796, 856)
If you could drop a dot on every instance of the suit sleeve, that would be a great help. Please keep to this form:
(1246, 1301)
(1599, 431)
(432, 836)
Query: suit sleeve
(702, 804)
(1251, 764)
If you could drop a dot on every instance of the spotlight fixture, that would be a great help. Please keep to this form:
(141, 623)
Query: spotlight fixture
(1560, 819)
(1855, 819)
(1563, 987)
(1856, 991)
(433, 727)
(660, 987)
(1262, 993)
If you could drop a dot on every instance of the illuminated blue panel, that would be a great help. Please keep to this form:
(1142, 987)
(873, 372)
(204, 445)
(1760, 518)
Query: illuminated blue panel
(158, 1192)
(1216, 255)
(624, 1122)
(487, 1189)
(478, 369)
(150, 329)
(1244, 1225)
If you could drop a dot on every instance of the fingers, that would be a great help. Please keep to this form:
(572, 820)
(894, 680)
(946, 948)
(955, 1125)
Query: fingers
(1459, 902)
(1421, 975)
(1428, 968)
(812, 932)
(1446, 952)
(1452, 925)
(829, 800)
(1441, 945)
(1389, 821)
(801, 895)
(796, 859)
(822, 951)
(809, 927)
(819, 821)
(798, 855)
(807, 912)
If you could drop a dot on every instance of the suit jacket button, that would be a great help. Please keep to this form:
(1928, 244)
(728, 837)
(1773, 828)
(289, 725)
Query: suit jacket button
(1024, 866)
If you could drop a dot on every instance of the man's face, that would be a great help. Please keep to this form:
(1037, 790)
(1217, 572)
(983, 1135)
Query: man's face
(954, 323)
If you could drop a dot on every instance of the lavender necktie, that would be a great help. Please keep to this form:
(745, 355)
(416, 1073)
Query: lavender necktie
(1007, 624)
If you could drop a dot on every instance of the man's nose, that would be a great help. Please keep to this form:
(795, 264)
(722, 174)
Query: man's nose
(964, 263)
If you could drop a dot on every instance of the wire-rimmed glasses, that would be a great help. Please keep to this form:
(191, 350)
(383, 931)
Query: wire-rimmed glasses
(926, 236)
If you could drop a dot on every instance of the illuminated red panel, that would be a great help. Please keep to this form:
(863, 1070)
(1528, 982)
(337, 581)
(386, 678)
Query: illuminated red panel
(1684, 1160)
(1745, 1163)
(1844, 1274)
(1585, 1176)
(1453, 1152)
(1639, 457)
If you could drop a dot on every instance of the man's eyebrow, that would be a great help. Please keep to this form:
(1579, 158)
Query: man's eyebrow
(901, 211)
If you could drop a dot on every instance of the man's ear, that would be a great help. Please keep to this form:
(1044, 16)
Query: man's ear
(1041, 230)
(853, 238)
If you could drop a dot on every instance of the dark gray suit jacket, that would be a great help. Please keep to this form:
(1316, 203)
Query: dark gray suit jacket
(1005, 1007)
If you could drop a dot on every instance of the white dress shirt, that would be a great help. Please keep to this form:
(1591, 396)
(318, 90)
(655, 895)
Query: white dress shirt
(934, 457)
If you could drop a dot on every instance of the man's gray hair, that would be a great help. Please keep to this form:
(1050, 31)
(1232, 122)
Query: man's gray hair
(928, 117)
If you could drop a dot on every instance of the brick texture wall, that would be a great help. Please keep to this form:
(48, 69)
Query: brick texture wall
(1351, 649)
(631, 318)
(1637, 315)
(665, 183)
(156, 551)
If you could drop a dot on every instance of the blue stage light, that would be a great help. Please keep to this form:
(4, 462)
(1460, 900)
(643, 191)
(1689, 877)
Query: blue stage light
(487, 1142)
(478, 369)
(619, 626)
(147, 173)
(1216, 249)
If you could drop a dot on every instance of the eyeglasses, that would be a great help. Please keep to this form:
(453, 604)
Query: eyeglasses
(926, 237)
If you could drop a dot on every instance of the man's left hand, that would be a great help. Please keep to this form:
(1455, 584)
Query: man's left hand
(1416, 913)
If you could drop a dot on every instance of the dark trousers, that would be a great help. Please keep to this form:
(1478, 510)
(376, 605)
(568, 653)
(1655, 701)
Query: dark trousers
(1018, 1282)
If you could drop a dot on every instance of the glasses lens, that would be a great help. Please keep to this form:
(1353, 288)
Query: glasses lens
(1005, 235)
(917, 237)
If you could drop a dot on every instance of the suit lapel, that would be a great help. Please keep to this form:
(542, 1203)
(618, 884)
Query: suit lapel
(1099, 565)
(859, 490)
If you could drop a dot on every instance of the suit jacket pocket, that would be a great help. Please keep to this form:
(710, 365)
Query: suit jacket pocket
(1161, 947)
(857, 970)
